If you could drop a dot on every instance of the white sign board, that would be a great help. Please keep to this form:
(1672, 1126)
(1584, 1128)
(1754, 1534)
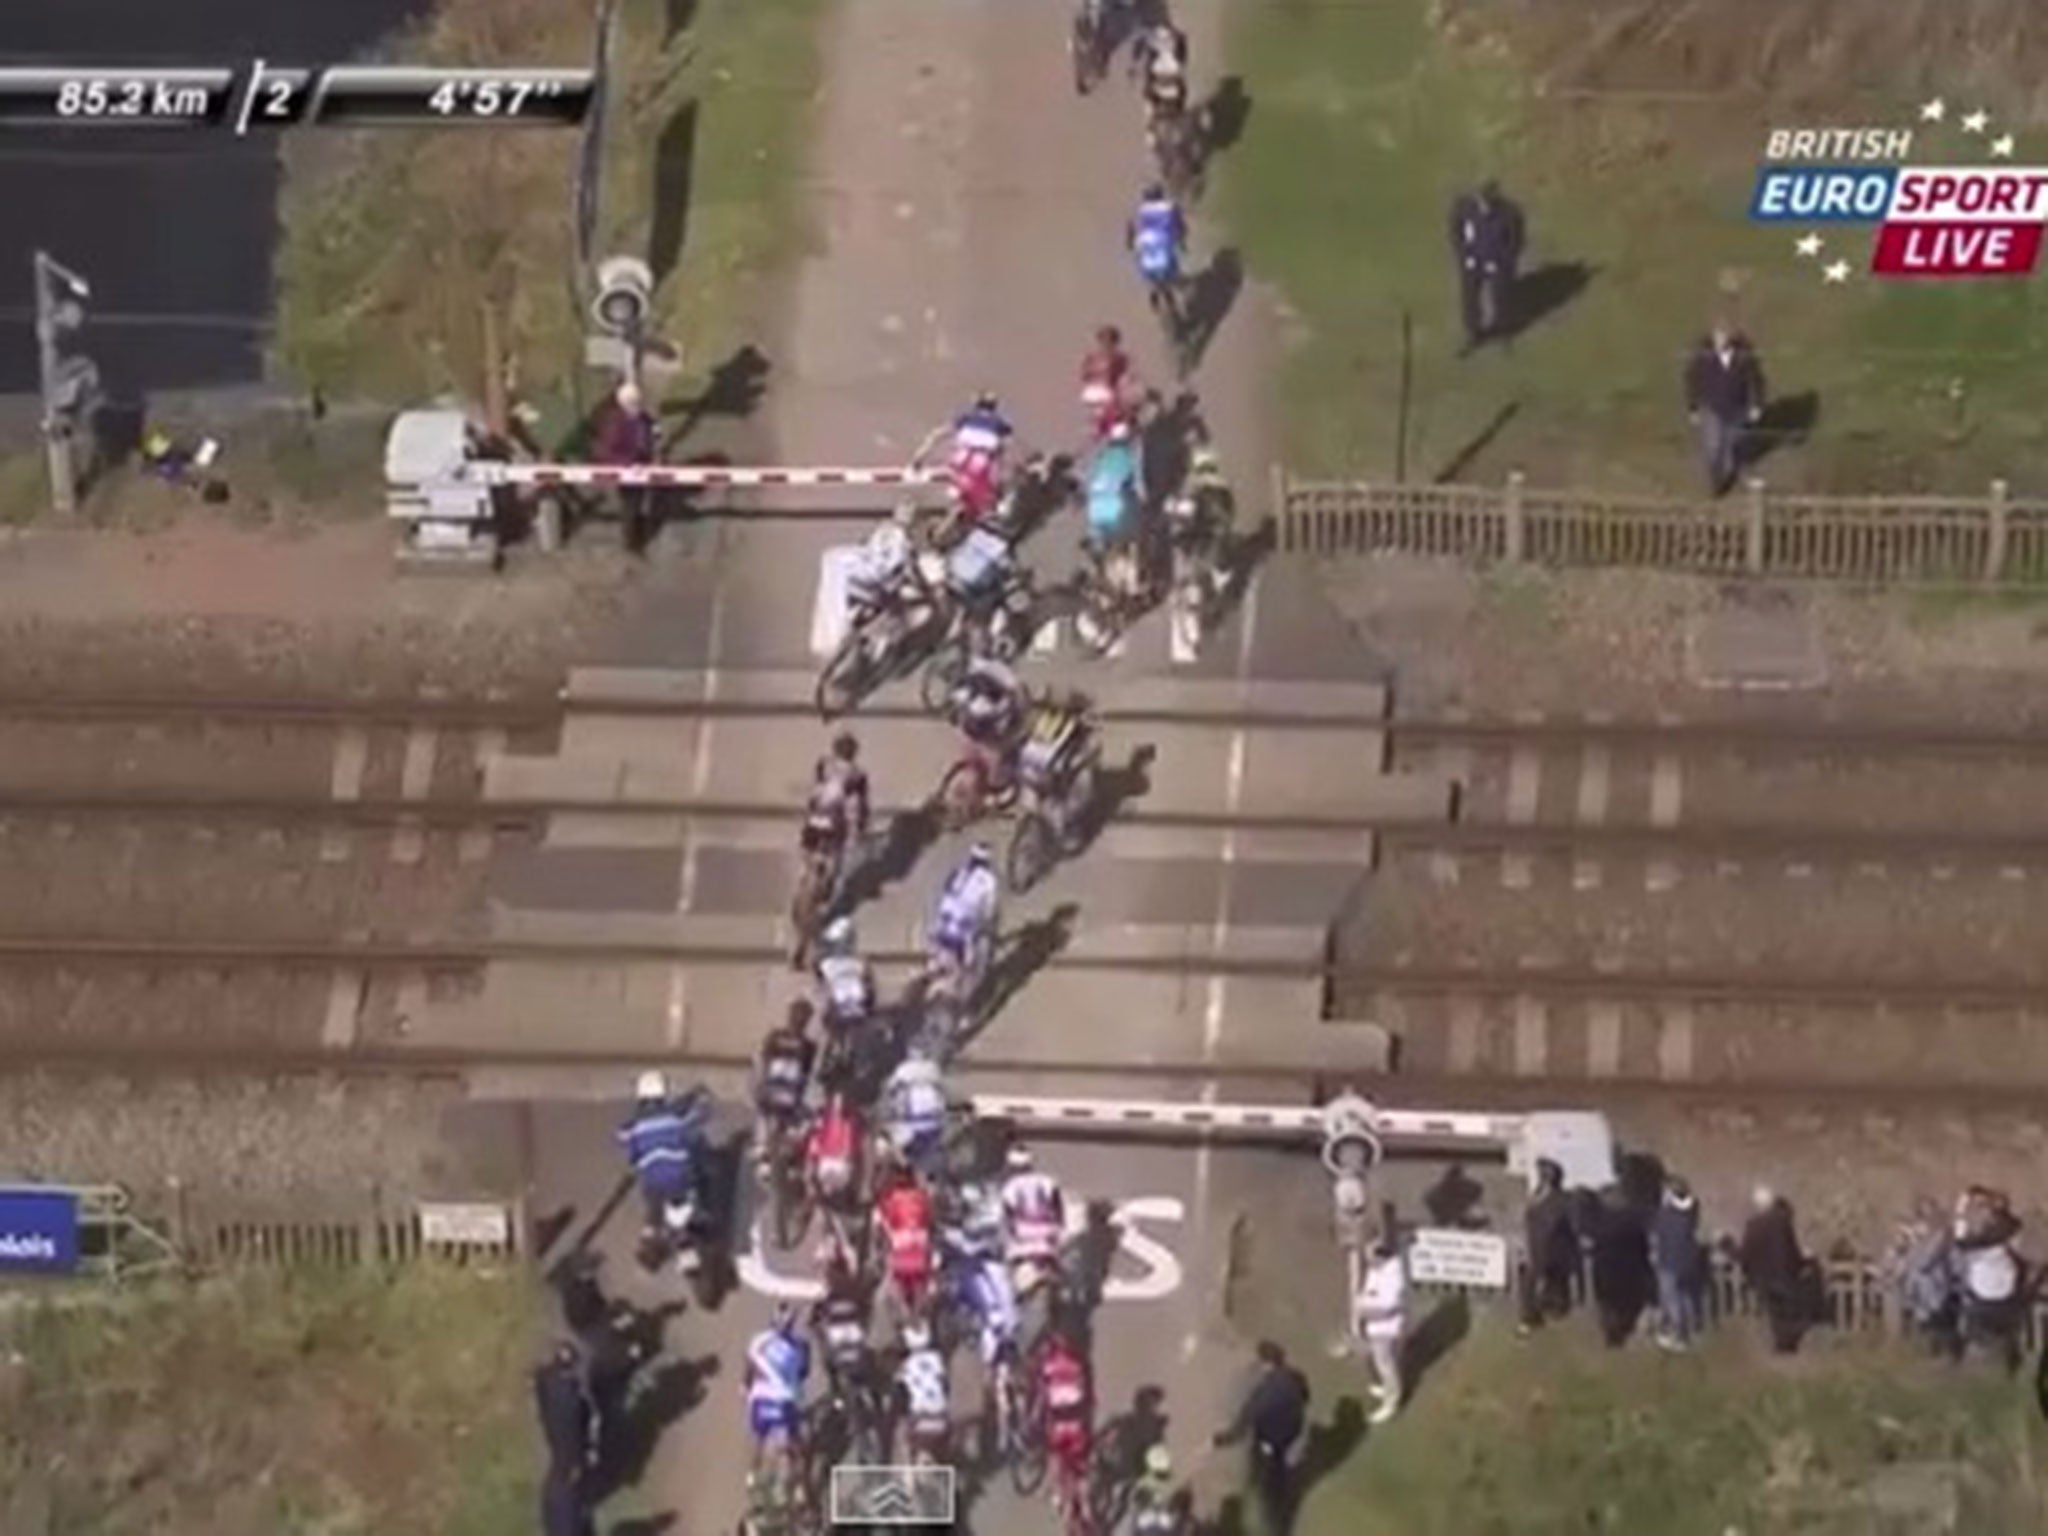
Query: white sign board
(464, 1224)
(1447, 1256)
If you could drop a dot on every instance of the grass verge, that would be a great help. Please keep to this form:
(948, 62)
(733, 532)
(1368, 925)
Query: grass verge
(267, 1404)
(395, 241)
(1630, 130)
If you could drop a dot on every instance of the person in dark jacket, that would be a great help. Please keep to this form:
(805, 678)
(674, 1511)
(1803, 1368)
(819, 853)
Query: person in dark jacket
(1775, 1268)
(1724, 398)
(624, 434)
(1675, 1251)
(1992, 1275)
(1273, 1415)
(564, 1508)
(1553, 1250)
(1486, 244)
(1622, 1282)
(566, 1417)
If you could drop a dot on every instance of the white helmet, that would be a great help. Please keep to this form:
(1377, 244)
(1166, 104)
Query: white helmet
(1120, 431)
(838, 934)
(1159, 1461)
(916, 1336)
(651, 1085)
(1018, 1159)
(980, 854)
(918, 1069)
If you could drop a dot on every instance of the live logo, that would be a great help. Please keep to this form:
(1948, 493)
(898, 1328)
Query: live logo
(1956, 249)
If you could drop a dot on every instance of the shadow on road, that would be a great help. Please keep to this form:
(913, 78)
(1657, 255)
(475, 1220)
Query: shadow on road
(1019, 957)
(626, 1441)
(892, 857)
(1115, 789)
(1210, 296)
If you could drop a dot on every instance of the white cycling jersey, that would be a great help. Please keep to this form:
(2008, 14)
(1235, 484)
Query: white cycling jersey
(970, 902)
(780, 1365)
(849, 987)
(1034, 1215)
(915, 1100)
(922, 1375)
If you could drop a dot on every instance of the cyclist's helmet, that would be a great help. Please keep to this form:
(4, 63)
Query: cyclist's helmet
(1203, 461)
(846, 746)
(838, 935)
(1018, 1159)
(918, 1068)
(916, 1336)
(986, 401)
(1109, 338)
(785, 1318)
(651, 1086)
(1120, 430)
(1159, 1462)
(1155, 193)
(980, 856)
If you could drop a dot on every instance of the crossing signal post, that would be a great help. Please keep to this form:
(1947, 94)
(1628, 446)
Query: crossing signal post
(1351, 1150)
(70, 382)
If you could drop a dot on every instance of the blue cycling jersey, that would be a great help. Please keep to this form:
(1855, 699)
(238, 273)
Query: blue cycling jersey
(1156, 235)
(1112, 487)
(662, 1142)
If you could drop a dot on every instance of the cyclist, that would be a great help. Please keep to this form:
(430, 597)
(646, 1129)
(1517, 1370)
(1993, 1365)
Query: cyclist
(904, 1211)
(881, 579)
(1066, 1401)
(921, 1381)
(1034, 1218)
(1105, 375)
(1157, 237)
(1156, 1505)
(980, 435)
(982, 1286)
(1161, 57)
(778, 1366)
(914, 1109)
(832, 1154)
(840, 1320)
(989, 703)
(664, 1138)
(1115, 493)
(1054, 738)
(782, 1075)
(846, 991)
(964, 921)
(839, 787)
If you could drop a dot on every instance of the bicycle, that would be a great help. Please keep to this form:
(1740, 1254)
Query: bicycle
(1084, 1488)
(877, 640)
(974, 787)
(1170, 133)
(1088, 45)
(817, 882)
(787, 1182)
(1053, 823)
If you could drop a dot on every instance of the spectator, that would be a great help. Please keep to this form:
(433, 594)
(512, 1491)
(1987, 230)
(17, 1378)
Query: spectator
(1924, 1274)
(1622, 1281)
(1379, 1315)
(624, 434)
(1984, 1229)
(566, 1416)
(564, 1508)
(1486, 243)
(1675, 1251)
(1775, 1268)
(1724, 397)
(1273, 1414)
(1553, 1250)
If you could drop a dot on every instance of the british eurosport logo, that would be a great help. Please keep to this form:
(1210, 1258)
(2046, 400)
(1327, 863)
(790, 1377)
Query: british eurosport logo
(1935, 220)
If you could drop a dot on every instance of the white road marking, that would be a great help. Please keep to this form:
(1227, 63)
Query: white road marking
(828, 609)
(1594, 766)
(1161, 1272)
(415, 779)
(1666, 795)
(1525, 785)
(1219, 933)
(700, 780)
(345, 782)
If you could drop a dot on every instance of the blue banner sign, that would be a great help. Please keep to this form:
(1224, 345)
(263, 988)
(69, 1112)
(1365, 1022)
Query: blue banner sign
(38, 1230)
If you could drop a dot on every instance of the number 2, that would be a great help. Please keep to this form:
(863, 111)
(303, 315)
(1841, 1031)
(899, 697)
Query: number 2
(280, 102)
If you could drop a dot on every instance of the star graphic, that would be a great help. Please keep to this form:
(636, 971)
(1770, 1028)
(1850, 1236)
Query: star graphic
(1809, 245)
(1933, 111)
(1836, 272)
(1977, 121)
(2001, 147)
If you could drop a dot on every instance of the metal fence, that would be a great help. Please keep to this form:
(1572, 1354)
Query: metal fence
(1755, 533)
(212, 1232)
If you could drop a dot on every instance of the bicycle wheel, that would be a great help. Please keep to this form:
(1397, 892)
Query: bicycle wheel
(1032, 852)
(1108, 1490)
(1078, 806)
(960, 795)
(942, 675)
(1029, 1462)
(845, 678)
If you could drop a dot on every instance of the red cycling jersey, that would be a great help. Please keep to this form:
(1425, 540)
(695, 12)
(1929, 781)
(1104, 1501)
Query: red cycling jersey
(976, 483)
(834, 1142)
(906, 1215)
(1063, 1389)
(1104, 371)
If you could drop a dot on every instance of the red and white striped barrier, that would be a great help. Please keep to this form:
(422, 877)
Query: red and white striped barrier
(690, 475)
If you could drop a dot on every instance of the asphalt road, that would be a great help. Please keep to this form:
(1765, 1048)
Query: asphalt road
(175, 221)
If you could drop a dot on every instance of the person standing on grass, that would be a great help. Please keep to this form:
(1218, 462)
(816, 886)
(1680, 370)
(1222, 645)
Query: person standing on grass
(1775, 1267)
(1273, 1415)
(1991, 1273)
(1552, 1244)
(1379, 1316)
(1622, 1281)
(1486, 245)
(1924, 1275)
(1724, 398)
(1675, 1251)
(624, 434)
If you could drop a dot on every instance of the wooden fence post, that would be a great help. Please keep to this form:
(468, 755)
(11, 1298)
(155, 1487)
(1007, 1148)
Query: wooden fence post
(1994, 543)
(1753, 550)
(1516, 534)
(1276, 487)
